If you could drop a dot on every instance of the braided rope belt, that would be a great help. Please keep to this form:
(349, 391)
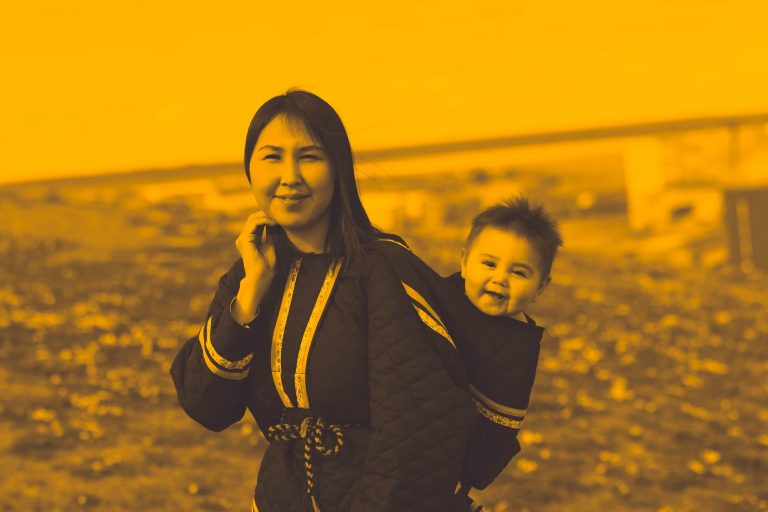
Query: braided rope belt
(312, 430)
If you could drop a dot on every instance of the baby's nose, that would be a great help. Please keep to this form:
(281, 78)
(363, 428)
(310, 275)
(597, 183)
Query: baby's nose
(500, 278)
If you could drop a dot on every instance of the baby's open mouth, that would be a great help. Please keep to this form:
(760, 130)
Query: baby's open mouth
(496, 296)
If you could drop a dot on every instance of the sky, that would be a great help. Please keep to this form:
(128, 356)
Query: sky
(91, 87)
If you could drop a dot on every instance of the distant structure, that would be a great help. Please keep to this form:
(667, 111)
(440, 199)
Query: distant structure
(688, 176)
(681, 170)
(746, 214)
(705, 174)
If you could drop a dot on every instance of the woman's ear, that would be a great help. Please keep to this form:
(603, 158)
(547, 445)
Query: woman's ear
(462, 258)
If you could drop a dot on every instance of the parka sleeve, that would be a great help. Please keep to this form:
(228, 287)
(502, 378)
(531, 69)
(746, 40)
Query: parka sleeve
(210, 369)
(502, 376)
(420, 418)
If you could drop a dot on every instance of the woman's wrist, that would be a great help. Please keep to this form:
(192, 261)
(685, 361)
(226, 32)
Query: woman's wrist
(244, 306)
(238, 315)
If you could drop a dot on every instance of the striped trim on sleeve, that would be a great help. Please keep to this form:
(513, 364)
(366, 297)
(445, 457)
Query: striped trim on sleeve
(500, 414)
(233, 370)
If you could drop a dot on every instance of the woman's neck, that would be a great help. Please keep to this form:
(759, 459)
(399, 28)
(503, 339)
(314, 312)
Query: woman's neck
(311, 239)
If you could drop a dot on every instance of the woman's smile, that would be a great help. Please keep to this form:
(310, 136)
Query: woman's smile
(292, 199)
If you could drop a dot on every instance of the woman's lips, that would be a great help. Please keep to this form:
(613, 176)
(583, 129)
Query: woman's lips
(292, 199)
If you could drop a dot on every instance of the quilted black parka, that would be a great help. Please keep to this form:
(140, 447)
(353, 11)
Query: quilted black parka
(500, 356)
(368, 412)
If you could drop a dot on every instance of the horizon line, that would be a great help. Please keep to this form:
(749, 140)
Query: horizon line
(530, 139)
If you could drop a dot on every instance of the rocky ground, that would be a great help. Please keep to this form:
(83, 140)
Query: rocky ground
(651, 392)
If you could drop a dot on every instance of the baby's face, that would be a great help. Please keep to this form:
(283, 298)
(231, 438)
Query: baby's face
(502, 273)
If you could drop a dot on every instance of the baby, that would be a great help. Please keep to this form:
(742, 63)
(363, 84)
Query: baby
(505, 266)
(507, 258)
(479, 315)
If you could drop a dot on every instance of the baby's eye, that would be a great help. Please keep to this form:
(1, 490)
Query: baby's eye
(489, 263)
(519, 273)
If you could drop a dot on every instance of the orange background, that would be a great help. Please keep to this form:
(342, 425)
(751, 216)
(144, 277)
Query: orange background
(650, 392)
(91, 87)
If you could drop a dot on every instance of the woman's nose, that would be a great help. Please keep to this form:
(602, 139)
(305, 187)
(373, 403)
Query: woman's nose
(290, 173)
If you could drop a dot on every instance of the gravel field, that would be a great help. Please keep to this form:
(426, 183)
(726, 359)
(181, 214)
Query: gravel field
(651, 392)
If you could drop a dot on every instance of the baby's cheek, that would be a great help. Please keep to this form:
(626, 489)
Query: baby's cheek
(474, 298)
(515, 305)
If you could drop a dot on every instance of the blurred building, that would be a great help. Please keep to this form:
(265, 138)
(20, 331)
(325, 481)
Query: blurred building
(681, 176)
(694, 182)
(746, 214)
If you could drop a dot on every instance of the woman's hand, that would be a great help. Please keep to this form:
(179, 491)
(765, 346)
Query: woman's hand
(256, 248)
(260, 262)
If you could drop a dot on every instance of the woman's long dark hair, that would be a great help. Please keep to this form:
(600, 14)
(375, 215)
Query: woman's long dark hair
(350, 226)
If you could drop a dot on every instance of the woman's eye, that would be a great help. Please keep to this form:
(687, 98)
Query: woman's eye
(309, 158)
(271, 156)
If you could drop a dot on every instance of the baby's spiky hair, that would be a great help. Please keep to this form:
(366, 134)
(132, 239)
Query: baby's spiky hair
(532, 222)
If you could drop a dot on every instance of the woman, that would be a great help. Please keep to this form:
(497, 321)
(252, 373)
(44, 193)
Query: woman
(314, 333)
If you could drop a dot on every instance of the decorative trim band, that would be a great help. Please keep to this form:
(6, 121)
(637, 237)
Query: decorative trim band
(208, 357)
(497, 418)
(432, 324)
(278, 335)
(488, 402)
(300, 378)
(279, 332)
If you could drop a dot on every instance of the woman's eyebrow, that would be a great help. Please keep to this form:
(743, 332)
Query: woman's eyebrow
(304, 149)
(271, 148)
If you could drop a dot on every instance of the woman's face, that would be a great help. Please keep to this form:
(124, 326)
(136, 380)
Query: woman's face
(291, 177)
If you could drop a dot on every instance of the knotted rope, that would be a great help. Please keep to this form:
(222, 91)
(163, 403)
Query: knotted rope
(312, 430)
